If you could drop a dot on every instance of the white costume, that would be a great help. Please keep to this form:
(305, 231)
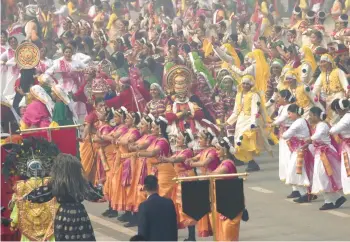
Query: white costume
(305, 73)
(63, 13)
(321, 182)
(300, 131)
(284, 123)
(10, 72)
(43, 65)
(68, 77)
(343, 129)
(66, 73)
(243, 120)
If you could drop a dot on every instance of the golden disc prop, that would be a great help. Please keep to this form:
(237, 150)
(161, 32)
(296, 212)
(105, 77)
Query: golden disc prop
(27, 55)
(178, 79)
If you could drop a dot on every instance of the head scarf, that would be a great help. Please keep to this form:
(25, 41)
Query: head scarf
(248, 79)
(262, 69)
(309, 57)
(234, 82)
(292, 74)
(277, 62)
(40, 94)
(329, 59)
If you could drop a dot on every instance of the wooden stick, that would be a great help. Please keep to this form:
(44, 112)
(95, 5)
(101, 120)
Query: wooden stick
(10, 131)
(212, 206)
(180, 179)
(51, 128)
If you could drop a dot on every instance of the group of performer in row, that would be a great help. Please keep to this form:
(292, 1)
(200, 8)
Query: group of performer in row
(185, 89)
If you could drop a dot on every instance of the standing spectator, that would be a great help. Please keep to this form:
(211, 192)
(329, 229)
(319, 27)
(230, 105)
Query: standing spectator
(157, 215)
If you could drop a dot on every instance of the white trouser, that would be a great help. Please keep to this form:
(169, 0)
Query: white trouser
(331, 197)
(302, 190)
(294, 188)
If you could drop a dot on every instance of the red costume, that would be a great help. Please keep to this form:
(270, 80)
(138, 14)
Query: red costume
(134, 98)
(6, 196)
(80, 96)
(172, 115)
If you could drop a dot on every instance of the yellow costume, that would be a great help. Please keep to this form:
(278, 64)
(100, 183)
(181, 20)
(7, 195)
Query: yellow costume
(258, 69)
(71, 8)
(231, 50)
(303, 95)
(249, 114)
(33, 220)
(265, 28)
(332, 84)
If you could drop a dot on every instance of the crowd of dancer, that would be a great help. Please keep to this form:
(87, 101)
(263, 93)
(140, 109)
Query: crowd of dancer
(181, 88)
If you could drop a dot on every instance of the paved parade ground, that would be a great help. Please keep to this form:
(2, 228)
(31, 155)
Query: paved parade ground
(272, 216)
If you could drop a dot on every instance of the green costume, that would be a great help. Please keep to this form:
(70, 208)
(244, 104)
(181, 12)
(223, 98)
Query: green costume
(148, 76)
(47, 90)
(62, 115)
(199, 67)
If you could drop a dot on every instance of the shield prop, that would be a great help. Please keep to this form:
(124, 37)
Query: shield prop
(195, 198)
(229, 197)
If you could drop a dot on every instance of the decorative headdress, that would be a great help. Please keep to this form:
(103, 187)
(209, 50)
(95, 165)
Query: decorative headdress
(178, 79)
(121, 112)
(99, 85)
(35, 168)
(211, 131)
(149, 119)
(42, 152)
